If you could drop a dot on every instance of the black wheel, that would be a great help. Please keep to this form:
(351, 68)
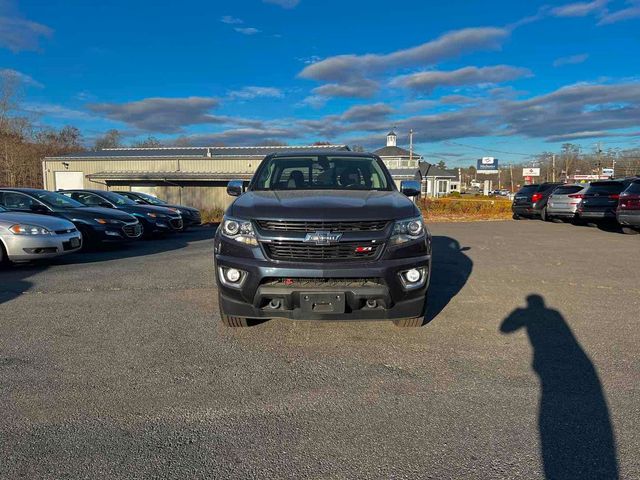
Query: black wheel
(4, 258)
(409, 322)
(88, 241)
(516, 216)
(630, 231)
(237, 322)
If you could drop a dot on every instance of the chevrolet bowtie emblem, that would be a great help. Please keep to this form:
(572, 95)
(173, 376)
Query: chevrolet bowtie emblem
(323, 238)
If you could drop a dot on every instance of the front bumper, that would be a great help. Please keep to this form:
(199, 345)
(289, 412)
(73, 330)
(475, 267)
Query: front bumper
(112, 233)
(351, 283)
(21, 248)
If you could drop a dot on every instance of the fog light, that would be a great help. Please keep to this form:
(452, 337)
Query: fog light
(412, 275)
(414, 278)
(233, 275)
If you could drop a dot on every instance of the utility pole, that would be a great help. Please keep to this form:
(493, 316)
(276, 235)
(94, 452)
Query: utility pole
(410, 146)
(511, 172)
(553, 167)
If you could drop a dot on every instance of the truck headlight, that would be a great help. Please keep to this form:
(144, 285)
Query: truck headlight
(407, 230)
(26, 229)
(239, 230)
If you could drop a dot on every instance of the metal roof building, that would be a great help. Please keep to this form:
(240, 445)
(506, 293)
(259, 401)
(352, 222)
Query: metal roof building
(194, 176)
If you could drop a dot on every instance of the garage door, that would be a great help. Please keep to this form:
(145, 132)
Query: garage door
(69, 180)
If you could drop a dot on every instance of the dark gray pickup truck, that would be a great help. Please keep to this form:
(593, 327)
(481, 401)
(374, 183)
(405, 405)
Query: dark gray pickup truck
(320, 236)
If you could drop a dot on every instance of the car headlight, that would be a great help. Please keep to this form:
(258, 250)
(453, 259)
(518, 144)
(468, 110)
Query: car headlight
(239, 230)
(156, 215)
(407, 230)
(25, 229)
(107, 221)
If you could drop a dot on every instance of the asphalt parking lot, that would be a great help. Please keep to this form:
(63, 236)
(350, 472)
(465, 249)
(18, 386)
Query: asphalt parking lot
(114, 365)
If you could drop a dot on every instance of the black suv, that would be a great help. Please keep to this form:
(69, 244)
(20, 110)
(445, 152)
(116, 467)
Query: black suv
(600, 201)
(628, 211)
(531, 200)
(97, 225)
(153, 219)
(190, 216)
(322, 237)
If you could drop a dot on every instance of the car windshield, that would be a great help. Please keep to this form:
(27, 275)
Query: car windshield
(321, 173)
(150, 199)
(633, 188)
(117, 199)
(56, 200)
(567, 189)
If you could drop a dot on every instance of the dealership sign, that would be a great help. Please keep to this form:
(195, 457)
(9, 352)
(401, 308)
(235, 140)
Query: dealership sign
(487, 165)
(531, 172)
(607, 171)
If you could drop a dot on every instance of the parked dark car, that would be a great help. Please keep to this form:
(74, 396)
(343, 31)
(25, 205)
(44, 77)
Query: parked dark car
(97, 225)
(600, 201)
(628, 211)
(190, 215)
(531, 200)
(322, 236)
(153, 219)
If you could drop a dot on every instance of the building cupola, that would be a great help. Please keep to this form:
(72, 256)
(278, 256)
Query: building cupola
(391, 139)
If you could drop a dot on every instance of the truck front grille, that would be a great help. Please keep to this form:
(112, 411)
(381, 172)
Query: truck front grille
(300, 251)
(310, 226)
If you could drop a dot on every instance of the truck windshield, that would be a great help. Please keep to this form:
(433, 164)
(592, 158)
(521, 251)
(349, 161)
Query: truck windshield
(321, 173)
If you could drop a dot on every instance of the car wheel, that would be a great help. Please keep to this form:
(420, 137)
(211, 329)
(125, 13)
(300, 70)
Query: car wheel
(409, 322)
(4, 258)
(543, 215)
(88, 242)
(516, 216)
(630, 231)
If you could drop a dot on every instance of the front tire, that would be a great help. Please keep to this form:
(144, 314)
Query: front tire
(409, 322)
(234, 322)
(4, 258)
(630, 231)
(516, 216)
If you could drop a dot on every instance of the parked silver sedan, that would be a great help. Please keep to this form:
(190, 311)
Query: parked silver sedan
(26, 236)
(564, 200)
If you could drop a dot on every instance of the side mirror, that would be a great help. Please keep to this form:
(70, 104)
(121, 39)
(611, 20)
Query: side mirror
(38, 208)
(235, 188)
(411, 188)
(105, 205)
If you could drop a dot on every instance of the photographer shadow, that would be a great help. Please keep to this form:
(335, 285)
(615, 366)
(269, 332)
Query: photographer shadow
(576, 435)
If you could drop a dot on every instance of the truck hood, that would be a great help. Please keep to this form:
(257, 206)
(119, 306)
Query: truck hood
(50, 223)
(323, 205)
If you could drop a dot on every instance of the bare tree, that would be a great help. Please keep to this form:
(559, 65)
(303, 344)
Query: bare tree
(149, 142)
(111, 139)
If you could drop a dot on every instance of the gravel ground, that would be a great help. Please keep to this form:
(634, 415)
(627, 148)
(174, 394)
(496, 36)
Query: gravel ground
(114, 365)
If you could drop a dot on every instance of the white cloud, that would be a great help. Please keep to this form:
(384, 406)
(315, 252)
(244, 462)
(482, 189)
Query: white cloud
(633, 11)
(255, 92)
(247, 30)
(284, 3)
(20, 77)
(229, 20)
(571, 60)
(18, 34)
(343, 68)
(427, 81)
(579, 9)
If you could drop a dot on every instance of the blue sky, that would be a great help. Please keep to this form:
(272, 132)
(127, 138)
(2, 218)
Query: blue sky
(508, 79)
